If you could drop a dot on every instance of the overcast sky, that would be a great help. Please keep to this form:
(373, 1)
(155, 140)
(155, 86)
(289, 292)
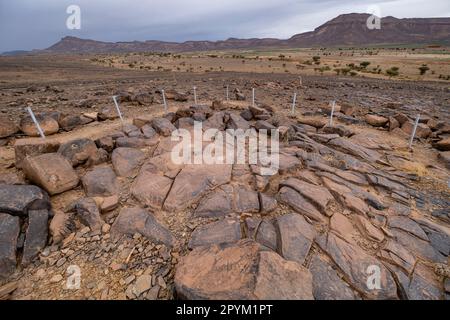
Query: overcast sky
(37, 24)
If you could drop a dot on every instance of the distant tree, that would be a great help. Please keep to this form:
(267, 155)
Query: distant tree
(393, 72)
(423, 69)
(316, 59)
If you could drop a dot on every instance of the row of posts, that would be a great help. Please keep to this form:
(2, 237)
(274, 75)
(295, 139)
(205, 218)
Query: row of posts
(294, 100)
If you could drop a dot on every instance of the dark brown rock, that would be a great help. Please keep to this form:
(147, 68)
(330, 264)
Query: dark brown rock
(100, 182)
(295, 237)
(151, 189)
(88, 213)
(8, 127)
(126, 160)
(216, 204)
(297, 202)
(327, 284)
(163, 126)
(136, 220)
(9, 232)
(36, 235)
(19, 199)
(78, 151)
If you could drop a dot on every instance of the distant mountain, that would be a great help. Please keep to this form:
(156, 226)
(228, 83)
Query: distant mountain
(344, 30)
(14, 53)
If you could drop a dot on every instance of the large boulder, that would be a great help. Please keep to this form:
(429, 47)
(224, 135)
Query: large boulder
(295, 237)
(100, 182)
(47, 123)
(126, 160)
(51, 171)
(137, 220)
(70, 122)
(19, 199)
(36, 235)
(7, 128)
(375, 120)
(240, 272)
(78, 151)
(163, 126)
(443, 145)
(22, 149)
(9, 232)
(422, 131)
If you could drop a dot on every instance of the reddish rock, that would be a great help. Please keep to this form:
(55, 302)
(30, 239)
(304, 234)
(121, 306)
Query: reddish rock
(193, 182)
(151, 189)
(70, 122)
(320, 196)
(354, 263)
(126, 160)
(216, 204)
(423, 131)
(221, 232)
(47, 123)
(163, 126)
(443, 145)
(51, 171)
(22, 149)
(228, 272)
(7, 127)
(297, 202)
(376, 121)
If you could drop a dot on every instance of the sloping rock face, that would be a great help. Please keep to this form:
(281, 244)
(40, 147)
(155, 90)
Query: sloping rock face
(240, 271)
(9, 232)
(193, 182)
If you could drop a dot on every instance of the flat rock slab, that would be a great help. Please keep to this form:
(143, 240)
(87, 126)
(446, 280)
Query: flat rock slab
(24, 148)
(263, 232)
(126, 160)
(297, 202)
(36, 235)
(354, 149)
(216, 204)
(137, 220)
(354, 263)
(220, 232)
(327, 284)
(9, 232)
(151, 189)
(240, 271)
(51, 171)
(18, 199)
(193, 182)
(318, 195)
(100, 182)
(295, 237)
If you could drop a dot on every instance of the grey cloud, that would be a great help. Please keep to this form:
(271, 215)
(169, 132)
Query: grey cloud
(28, 24)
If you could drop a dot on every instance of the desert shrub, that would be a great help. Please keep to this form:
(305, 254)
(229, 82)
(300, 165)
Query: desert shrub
(393, 71)
(353, 73)
(316, 59)
(364, 64)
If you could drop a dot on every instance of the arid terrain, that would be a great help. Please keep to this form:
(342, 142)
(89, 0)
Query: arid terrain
(103, 197)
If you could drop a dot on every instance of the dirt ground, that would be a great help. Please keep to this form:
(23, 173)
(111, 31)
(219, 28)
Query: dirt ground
(62, 83)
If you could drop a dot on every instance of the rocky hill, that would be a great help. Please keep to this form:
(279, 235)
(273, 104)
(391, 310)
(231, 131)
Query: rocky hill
(347, 29)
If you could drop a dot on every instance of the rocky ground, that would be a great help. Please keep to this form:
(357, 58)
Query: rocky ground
(104, 198)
